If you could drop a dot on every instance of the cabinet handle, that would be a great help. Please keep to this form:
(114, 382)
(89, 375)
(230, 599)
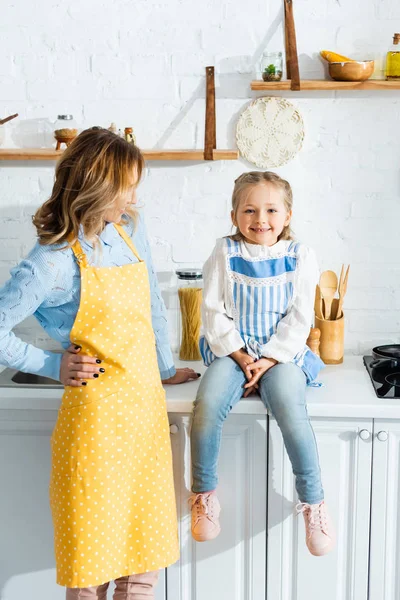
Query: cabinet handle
(382, 436)
(173, 429)
(364, 434)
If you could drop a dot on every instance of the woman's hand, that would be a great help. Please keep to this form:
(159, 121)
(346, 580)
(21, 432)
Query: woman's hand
(182, 376)
(76, 368)
(257, 369)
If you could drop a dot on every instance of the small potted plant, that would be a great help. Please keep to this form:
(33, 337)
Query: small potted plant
(271, 66)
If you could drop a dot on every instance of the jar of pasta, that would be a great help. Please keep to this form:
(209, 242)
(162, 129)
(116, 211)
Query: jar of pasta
(190, 289)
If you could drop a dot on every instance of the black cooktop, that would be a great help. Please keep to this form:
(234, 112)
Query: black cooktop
(385, 376)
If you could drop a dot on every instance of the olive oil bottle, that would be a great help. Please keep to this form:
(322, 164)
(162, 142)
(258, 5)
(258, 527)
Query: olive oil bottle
(393, 59)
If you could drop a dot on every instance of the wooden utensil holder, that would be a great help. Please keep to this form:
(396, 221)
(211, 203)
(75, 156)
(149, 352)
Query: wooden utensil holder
(331, 347)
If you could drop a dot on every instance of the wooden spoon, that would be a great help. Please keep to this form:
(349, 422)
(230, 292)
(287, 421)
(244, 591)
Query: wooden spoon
(318, 303)
(328, 283)
(342, 290)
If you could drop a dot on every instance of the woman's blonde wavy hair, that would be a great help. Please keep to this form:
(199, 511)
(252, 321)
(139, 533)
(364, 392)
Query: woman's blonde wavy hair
(253, 178)
(92, 173)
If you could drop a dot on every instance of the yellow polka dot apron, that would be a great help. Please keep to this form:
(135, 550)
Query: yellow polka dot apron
(111, 489)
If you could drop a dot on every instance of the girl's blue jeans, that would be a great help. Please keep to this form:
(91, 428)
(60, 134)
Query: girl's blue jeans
(282, 389)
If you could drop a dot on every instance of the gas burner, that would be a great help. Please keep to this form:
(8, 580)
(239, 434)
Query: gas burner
(385, 376)
(393, 378)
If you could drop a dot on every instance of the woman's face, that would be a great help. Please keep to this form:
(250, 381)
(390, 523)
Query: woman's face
(114, 214)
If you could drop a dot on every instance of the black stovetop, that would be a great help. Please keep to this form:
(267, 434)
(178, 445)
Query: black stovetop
(385, 376)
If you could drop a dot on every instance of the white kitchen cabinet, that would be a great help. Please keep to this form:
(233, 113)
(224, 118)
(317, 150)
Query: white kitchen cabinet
(384, 578)
(345, 449)
(233, 565)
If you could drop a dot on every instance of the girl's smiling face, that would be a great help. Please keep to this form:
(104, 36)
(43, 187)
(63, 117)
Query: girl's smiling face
(262, 215)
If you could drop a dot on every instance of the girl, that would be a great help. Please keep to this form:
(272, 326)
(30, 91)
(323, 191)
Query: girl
(258, 300)
(111, 487)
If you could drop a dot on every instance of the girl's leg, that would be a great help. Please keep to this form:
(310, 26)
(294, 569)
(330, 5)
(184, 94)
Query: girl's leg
(98, 592)
(283, 393)
(136, 587)
(220, 389)
(283, 390)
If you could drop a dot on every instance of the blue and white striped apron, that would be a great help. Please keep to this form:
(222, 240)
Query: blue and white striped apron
(262, 289)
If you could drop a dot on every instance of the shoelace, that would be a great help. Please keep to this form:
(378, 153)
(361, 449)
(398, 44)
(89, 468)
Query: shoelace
(316, 515)
(200, 501)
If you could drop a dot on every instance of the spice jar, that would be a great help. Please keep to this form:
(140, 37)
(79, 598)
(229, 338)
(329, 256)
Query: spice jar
(190, 293)
(65, 130)
(129, 135)
(271, 66)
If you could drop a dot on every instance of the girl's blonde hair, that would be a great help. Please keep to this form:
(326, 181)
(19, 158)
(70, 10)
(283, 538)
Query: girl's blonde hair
(92, 173)
(253, 178)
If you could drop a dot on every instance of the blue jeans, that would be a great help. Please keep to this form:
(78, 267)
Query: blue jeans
(282, 390)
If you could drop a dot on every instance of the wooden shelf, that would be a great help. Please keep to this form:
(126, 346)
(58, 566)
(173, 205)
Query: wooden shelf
(51, 154)
(327, 84)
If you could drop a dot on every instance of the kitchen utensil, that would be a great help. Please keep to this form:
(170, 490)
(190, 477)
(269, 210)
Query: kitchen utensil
(351, 70)
(2, 121)
(389, 353)
(384, 377)
(335, 309)
(342, 289)
(270, 132)
(328, 284)
(331, 347)
(318, 303)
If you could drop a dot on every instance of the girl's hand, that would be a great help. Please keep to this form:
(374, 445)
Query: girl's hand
(244, 360)
(257, 369)
(250, 390)
(182, 376)
(76, 368)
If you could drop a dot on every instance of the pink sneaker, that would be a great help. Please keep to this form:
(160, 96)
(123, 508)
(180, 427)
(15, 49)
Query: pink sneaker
(205, 516)
(320, 534)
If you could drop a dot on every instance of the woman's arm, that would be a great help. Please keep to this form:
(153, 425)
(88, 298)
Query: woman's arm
(293, 330)
(20, 297)
(219, 328)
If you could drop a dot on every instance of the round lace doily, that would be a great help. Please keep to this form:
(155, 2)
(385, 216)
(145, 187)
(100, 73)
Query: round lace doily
(270, 131)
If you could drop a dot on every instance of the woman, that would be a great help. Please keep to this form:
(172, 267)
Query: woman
(94, 290)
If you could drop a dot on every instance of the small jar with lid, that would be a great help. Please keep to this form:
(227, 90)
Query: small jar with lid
(190, 293)
(65, 130)
(271, 66)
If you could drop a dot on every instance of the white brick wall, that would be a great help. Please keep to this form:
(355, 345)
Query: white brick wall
(142, 64)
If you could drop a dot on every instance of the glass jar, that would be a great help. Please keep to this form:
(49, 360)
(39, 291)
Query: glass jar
(190, 293)
(65, 130)
(393, 59)
(272, 66)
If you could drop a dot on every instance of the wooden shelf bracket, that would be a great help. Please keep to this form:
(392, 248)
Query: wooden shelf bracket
(210, 133)
(292, 59)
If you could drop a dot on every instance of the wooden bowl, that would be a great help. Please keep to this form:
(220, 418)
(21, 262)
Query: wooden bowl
(351, 71)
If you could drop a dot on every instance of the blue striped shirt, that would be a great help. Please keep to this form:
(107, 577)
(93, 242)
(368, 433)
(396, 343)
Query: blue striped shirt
(47, 285)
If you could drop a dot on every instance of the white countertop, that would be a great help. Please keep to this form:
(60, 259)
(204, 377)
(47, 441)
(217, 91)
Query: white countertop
(347, 392)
